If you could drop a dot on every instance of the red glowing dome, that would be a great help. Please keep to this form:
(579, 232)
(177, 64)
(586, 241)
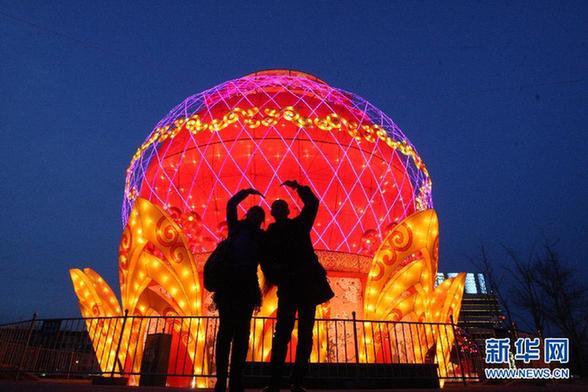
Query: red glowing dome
(268, 127)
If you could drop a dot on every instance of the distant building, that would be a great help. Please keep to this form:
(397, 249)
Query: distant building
(481, 314)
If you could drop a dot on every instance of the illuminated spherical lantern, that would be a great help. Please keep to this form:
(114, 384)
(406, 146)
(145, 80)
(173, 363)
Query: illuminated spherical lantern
(271, 126)
(376, 231)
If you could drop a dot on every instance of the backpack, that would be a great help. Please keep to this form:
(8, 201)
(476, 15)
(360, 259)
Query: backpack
(216, 266)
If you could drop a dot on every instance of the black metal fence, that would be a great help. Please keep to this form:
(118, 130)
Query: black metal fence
(181, 349)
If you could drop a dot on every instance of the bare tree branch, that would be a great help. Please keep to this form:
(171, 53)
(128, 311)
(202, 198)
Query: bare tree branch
(566, 300)
(526, 292)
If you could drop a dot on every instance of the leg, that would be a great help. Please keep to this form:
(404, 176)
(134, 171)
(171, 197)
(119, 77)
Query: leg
(223, 346)
(282, 335)
(306, 315)
(240, 347)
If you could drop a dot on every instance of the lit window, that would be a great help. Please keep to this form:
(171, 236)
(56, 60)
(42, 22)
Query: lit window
(470, 284)
(482, 284)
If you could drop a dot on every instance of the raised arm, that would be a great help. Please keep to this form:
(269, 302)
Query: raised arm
(232, 208)
(232, 204)
(310, 208)
(310, 204)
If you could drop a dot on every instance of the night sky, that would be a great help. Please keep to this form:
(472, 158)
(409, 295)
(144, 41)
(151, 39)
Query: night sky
(493, 96)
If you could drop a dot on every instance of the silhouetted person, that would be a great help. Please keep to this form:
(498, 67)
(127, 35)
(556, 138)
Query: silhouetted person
(240, 293)
(289, 263)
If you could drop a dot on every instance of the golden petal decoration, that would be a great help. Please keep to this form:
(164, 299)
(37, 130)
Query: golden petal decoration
(158, 277)
(260, 340)
(447, 304)
(175, 271)
(97, 302)
(401, 287)
(414, 238)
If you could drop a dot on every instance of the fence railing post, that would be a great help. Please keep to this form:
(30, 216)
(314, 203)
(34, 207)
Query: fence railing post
(122, 331)
(461, 367)
(355, 345)
(24, 351)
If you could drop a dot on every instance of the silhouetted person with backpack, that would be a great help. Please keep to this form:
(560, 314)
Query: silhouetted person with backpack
(291, 264)
(239, 294)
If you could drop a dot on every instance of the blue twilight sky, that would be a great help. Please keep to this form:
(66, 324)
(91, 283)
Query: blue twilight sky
(492, 94)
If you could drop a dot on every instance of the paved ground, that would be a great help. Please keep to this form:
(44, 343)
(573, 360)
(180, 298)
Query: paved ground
(73, 386)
